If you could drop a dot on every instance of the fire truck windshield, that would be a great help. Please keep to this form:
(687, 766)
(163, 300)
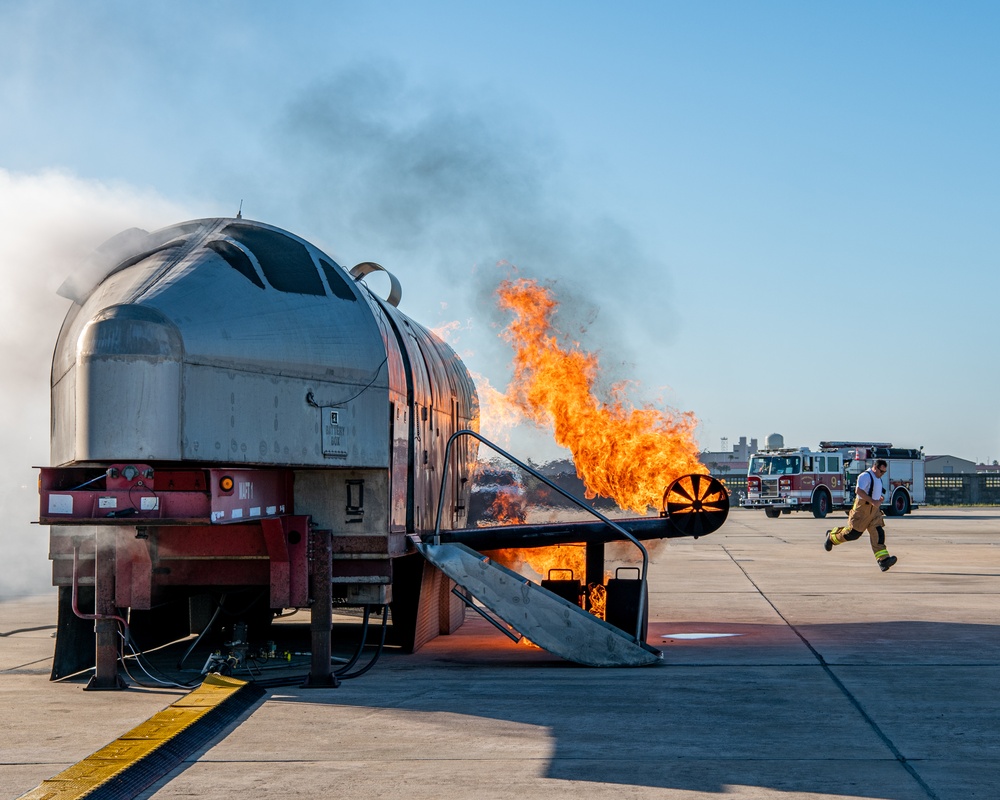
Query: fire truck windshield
(775, 465)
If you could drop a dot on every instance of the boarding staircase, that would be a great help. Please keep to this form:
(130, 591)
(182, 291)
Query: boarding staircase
(521, 608)
(547, 620)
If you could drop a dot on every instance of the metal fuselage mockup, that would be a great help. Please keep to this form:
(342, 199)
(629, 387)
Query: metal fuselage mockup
(233, 411)
(225, 344)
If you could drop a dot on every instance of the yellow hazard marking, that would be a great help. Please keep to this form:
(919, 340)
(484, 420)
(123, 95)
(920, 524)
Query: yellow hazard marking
(99, 768)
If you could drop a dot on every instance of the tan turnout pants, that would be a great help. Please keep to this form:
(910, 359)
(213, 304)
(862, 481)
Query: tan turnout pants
(864, 516)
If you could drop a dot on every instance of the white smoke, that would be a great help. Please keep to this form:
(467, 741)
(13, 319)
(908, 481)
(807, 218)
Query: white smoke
(52, 222)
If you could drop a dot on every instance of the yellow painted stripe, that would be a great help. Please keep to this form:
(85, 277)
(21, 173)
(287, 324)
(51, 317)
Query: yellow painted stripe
(109, 761)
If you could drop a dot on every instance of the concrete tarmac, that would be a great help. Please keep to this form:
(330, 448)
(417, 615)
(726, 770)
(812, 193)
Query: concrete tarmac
(834, 681)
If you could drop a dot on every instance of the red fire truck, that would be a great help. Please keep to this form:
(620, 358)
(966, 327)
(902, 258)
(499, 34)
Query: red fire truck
(799, 479)
(795, 479)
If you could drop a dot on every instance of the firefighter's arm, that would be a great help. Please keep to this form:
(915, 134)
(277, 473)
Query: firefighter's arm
(866, 497)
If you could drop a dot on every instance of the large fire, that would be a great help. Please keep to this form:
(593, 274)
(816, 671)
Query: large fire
(624, 453)
(627, 454)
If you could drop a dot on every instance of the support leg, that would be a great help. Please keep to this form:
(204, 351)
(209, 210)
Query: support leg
(106, 623)
(321, 591)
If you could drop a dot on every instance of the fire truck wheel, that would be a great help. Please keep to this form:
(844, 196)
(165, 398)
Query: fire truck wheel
(821, 504)
(773, 513)
(900, 504)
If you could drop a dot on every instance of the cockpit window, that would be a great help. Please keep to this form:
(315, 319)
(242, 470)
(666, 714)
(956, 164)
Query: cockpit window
(285, 262)
(337, 283)
(237, 259)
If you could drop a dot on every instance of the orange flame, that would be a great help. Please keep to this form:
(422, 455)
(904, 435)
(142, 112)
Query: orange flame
(498, 415)
(504, 510)
(543, 559)
(597, 597)
(627, 454)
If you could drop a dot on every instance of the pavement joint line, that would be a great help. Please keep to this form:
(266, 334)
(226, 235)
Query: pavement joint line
(28, 630)
(152, 749)
(840, 685)
(22, 666)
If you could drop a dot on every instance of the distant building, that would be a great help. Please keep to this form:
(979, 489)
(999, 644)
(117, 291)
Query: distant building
(949, 465)
(725, 462)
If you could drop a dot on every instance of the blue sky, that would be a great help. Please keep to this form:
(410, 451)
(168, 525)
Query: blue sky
(781, 216)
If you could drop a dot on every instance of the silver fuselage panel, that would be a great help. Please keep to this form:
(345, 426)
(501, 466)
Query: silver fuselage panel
(232, 341)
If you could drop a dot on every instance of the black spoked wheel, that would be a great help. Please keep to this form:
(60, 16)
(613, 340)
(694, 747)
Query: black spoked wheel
(696, 504)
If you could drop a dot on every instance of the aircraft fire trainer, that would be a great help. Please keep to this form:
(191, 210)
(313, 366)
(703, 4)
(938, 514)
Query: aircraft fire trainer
(234, 412)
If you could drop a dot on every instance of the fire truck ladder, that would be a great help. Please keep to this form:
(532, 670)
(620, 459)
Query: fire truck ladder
(547, 620)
